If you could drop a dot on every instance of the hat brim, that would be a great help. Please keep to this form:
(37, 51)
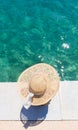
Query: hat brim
(53, 83)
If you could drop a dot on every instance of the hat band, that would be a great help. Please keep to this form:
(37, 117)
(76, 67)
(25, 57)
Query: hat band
(38, 96)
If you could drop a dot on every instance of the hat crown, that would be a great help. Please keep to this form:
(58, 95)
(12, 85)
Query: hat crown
(38, 84)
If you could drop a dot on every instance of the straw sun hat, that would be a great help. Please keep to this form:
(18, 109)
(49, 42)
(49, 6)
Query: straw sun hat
(40, 79)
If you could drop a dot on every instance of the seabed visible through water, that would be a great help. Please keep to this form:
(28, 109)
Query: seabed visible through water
(38, 31)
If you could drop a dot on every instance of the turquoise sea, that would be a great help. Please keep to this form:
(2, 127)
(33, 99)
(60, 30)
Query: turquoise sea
(38, 31)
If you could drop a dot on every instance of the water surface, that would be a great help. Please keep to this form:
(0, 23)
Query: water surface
(38, 31)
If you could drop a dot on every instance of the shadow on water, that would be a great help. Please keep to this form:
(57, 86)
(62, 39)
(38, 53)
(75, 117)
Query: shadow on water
(34, 115)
